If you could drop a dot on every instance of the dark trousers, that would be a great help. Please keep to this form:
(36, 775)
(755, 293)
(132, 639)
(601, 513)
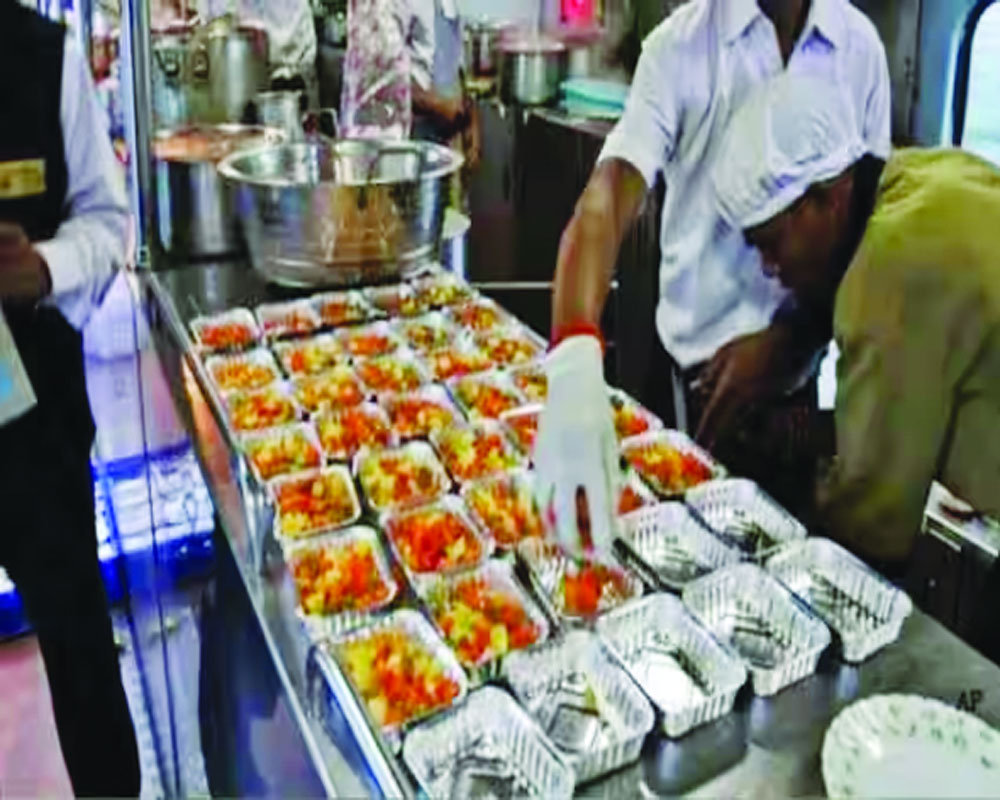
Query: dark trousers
(48, 545)
(776, 445)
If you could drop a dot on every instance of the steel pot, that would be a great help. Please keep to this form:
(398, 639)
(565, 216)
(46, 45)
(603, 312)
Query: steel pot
(195, 214)
(229, 67)
(282, 110)
(169, 75)
(531, 70)
(481, 41)
(341, 213)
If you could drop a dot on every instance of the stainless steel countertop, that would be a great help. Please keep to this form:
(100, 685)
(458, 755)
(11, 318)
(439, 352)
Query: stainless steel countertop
(767, 746)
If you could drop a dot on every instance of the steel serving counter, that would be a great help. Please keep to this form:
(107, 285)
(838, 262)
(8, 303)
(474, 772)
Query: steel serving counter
(766, 746)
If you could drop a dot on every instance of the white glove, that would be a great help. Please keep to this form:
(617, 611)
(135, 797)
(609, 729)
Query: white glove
(576, 449)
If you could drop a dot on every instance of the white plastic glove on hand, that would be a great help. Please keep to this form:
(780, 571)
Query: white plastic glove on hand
(576, 451)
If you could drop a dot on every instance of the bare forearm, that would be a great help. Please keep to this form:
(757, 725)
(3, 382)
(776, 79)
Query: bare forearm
(445, 112)
(589, 246)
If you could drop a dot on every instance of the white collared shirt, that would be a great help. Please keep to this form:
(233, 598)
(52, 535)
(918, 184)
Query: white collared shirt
(696, 68)
(89, 245)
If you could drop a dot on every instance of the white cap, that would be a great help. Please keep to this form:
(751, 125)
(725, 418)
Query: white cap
(792, 132)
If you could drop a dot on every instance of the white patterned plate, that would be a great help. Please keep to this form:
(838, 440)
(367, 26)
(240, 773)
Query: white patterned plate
(898, 745)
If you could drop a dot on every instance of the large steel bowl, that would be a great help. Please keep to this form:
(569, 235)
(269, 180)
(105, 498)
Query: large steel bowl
(341, 213)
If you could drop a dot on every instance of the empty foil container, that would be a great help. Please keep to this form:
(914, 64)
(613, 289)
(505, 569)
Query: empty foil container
(583, 700)
(778, 638)
(744, 515)
(862, 608)
(487, 747)
(688, 675)
(672, 546)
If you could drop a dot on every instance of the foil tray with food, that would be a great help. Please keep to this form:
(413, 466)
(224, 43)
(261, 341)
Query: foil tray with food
(683, 670)
(631, 418)
(242, 372)
(485, 395)
(310, 356)
(396, 300)
(504, 506)
(426, 333)
(521, 424)
(344, 431)
(436, 539)
(634, 494)
(416, 415)
(400, 477)
(395, 372)
(475, 450)
(670, 546)
(462, 357)
(399, 670)
(334, 388)
(347, 307)
(235, 329)
(510, 345)
(532, 381)
(273, 452)
(778, 638)
(865, 611)
(270, 407)
(365, 341)
(287, 319)
(442, 289)
(313, 502)
(670, 462)
(744, 516)
(479, 314)
(484, 615)
(341, 580)
(486, 747)
(583, 700)
(575, 589)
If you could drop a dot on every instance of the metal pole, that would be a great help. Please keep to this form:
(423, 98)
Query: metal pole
(136, 89)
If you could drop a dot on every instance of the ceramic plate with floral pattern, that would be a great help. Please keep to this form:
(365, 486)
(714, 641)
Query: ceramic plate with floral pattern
(896, 745)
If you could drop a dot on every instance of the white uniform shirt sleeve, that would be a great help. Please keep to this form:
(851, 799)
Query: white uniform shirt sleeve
(646, 134)
(420, 38)
(877, 124)
(89, 245)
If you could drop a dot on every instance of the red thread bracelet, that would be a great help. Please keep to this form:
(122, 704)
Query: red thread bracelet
(563, 332)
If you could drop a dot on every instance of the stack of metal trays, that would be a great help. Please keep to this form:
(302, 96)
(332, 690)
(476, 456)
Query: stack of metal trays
(744, 516)
(487, 747)
(778, 638)
(584, 701)
(688, 675)
(669, 546)
(863, 609)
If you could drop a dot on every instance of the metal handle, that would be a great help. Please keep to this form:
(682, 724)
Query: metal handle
(200, 64)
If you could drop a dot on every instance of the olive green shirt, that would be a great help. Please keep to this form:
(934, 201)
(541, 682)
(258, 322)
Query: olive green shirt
(917, 321)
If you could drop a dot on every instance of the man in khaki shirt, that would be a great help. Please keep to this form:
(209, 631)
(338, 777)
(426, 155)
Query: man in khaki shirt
(908, 262)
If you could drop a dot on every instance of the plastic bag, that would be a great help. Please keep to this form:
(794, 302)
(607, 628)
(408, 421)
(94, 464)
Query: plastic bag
(376, 97)
(16, 395)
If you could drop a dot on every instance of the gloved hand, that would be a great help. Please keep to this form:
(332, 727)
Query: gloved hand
(576, 452)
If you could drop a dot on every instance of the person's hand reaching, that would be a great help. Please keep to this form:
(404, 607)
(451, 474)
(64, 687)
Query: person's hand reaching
(24, 275)
(576, 452)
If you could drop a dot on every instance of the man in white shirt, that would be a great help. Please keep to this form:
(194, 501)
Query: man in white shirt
(716, 312)
(63, 223)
